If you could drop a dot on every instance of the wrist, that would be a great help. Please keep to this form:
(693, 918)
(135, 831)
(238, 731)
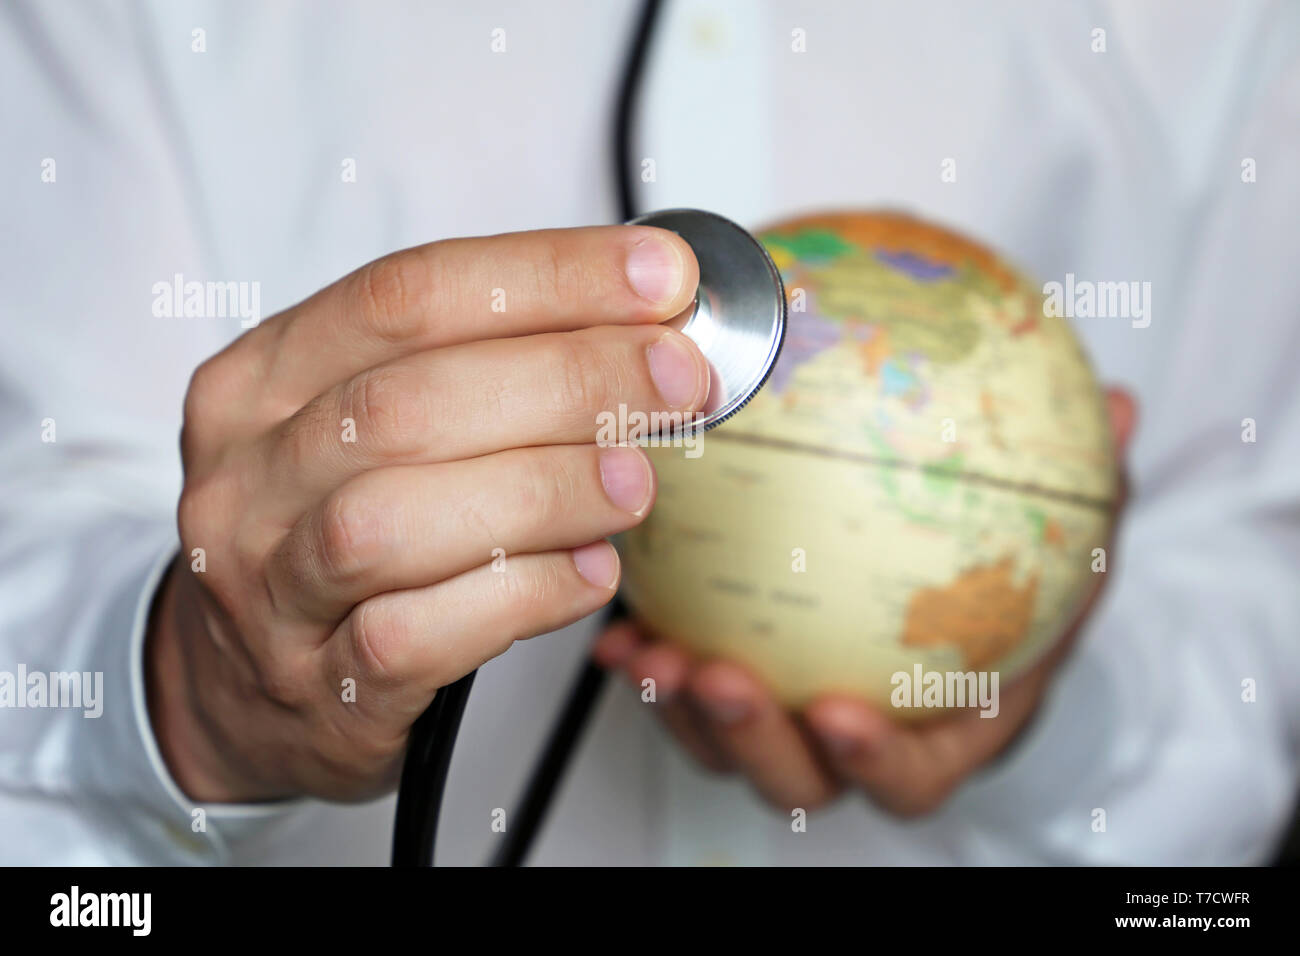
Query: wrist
(186, 739)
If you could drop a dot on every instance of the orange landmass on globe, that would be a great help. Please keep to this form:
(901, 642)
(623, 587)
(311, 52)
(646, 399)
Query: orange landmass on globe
(875, 350)
(981, 612)
(1029, 320)
(899, 232)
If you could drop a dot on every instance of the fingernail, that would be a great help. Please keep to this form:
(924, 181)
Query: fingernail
(675, 371)
(726, 712)
(598, 563)
(654, 269)
(625, 473)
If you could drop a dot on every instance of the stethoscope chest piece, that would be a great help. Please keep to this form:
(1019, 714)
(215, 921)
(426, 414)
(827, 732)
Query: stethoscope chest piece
(738, 318)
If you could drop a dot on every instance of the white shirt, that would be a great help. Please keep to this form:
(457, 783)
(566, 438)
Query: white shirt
(227, 164)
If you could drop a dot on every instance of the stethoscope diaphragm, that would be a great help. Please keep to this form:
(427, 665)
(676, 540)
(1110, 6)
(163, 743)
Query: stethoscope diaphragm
(738, 318)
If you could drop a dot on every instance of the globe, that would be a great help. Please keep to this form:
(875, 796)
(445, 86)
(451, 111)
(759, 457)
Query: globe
(920, 488)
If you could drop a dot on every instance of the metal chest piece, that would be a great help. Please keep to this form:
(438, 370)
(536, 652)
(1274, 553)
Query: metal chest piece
(738, 319)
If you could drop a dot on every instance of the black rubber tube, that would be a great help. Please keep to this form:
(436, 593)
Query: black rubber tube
(424, 774)
(523, 826)
(433, 736)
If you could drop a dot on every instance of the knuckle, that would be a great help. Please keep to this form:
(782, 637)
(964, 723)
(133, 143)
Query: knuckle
(532, 591)
(235, 548)
(205, 397)
(476, 518)
(547, 583)
(585, 377)
(191, 437)
(202, 512)
(551, 494)
(300, 439)
(385, 287)
(574, 276)
(551, 274)
(387, 408)
(351, 529)
(202, 386)
(190, 513)
(378, 645)
(284, 680)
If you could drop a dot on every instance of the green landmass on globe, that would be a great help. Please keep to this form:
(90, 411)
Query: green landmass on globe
(923, 481)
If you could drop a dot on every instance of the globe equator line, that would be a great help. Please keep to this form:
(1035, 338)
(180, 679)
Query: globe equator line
(969, 477)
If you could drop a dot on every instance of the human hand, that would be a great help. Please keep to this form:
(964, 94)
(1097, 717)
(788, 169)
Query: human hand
(394, 481)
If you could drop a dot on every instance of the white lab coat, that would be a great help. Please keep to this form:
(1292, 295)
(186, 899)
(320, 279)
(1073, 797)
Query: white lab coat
(228, 164)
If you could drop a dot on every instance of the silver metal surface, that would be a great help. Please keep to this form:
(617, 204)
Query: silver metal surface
(738, 320)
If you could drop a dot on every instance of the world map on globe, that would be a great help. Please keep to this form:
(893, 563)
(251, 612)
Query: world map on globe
(923, 481)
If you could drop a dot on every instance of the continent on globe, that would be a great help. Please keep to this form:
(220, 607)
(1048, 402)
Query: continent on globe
(981, 611)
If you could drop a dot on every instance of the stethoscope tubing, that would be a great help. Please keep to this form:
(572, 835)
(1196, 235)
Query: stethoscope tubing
(432, 738)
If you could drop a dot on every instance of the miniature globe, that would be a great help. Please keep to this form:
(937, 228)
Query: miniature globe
(920, 488)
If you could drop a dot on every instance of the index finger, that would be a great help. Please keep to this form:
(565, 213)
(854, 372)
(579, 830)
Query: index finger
(461, 290)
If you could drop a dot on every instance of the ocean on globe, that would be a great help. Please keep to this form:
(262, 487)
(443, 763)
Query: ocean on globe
(919, 488)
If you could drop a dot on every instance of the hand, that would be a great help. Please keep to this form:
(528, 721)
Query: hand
(729, 722)
(356, 465)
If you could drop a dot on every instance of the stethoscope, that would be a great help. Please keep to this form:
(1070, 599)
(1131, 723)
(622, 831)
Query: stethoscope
(433, 736)
(738, 321)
